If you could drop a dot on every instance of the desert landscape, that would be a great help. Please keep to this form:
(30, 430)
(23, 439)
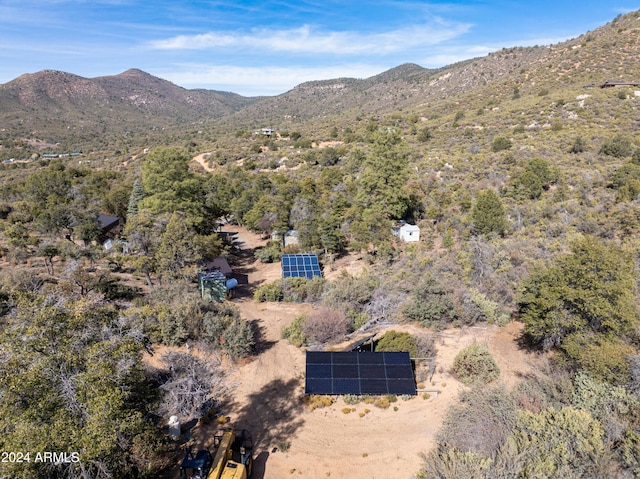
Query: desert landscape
(266, 394)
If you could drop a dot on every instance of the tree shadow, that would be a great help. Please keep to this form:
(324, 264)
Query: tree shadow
(242, 263)
(525, 343)
(261, 343)
(272, 415)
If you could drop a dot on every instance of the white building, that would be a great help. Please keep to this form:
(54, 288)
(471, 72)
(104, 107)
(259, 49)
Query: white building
(406, 232)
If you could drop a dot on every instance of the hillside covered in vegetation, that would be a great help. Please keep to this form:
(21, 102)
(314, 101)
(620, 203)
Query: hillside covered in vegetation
(522, 173)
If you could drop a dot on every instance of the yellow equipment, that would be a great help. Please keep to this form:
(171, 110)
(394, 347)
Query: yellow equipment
(233, 458)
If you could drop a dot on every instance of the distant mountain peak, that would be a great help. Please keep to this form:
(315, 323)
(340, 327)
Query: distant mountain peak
(135, 72)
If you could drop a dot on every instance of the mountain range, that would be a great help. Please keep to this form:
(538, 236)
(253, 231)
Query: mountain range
(56, 106)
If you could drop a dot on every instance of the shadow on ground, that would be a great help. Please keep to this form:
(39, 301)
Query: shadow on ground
(272, 415)
(261, 343)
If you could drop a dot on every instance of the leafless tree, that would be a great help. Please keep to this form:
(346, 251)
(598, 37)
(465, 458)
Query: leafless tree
(325, 324)
(189, 385)
(384, 304)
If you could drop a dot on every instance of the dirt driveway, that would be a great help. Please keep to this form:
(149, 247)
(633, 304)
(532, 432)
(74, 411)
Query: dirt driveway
(291, 441)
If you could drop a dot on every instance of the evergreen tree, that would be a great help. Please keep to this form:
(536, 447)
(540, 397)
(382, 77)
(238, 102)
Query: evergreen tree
(137, 193)
(381, 195)
(584, 304)
(488, 214)
(169, 186)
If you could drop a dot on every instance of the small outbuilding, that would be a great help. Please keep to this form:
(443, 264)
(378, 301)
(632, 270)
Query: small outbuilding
(219, 264)
(406, 232)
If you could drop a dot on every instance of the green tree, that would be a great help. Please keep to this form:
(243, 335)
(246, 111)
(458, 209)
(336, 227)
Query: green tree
(177, 247)
(48, 252)
(626, 180)
(488, 215)
(143, 233)
(579, 145)
(381, 196)
(137, 194)
(424, 135)
(386, 171)
(584, 300)
(170, 187)
(72, 372)
(530, 184)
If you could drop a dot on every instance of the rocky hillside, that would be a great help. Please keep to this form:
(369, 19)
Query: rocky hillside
(57, 106)
(54, 105)
(607, 53)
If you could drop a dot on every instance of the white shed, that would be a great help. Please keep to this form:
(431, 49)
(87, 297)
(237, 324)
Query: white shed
(406, 232)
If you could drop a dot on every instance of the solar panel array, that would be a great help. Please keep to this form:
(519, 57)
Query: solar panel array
(300, 266)
(359, 373)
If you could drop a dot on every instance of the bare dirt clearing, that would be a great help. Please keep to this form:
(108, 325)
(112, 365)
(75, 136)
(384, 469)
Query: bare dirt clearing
(291, 441)
(201, 159)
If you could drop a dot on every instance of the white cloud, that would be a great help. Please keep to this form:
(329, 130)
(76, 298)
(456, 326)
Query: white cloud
(307, 39)
(255, 81)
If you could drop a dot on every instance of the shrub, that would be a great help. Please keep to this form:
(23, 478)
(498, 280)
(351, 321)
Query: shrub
(283, 446)
(188, 384)
(619, 147)
(628, 175)
(430, 304)
(325, 324)
(564, 306)
(303, 143)
(297, 290)
(238, 339)
(563, 440)
(482, 421)
(424, 135)
(294, 333)
(475, 365)
(552, 388)
(349, 293)
(579, 146)
(489, 309)
(398, 341)
(318, 402)
(269, 292)
(351, 399)
(605, 358)
(270, 253)
(500, 143)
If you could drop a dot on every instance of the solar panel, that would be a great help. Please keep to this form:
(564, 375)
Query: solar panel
(359, 373)
(316, 357)
(346, 386)
(319, 371)
(300, 266)
(344, 371)
(318, 386)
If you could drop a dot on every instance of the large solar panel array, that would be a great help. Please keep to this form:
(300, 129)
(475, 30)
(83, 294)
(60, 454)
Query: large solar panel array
(300, 266)
(359, 373)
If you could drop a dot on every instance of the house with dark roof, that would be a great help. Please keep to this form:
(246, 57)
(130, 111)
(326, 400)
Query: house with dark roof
(218, 264)
(615, 83)
(107, 225)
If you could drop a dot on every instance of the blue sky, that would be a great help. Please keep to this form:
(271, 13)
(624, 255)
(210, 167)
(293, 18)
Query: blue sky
(267, 47)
